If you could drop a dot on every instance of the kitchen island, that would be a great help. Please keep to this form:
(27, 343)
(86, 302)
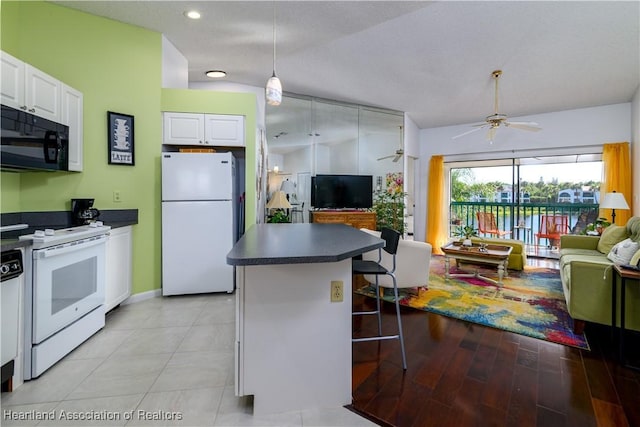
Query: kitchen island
(293, 344)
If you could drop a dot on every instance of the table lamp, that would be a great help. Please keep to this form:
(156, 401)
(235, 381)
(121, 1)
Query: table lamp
(279, 201)
(614, 201)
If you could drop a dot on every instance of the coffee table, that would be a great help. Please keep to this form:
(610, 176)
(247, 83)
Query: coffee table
(478, 253)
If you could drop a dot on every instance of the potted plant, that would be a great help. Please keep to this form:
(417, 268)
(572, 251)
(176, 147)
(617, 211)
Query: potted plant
(595, 229)
(466, 233)
(389, 209)
(278, 216)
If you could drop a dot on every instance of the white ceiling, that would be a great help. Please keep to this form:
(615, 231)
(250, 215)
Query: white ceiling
(432, 60)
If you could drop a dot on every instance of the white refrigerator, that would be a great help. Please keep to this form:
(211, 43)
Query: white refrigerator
(198, 222)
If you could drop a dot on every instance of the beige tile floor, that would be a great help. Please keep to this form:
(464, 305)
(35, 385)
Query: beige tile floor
(155, 358)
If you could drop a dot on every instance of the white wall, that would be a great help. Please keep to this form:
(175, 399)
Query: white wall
(412, 165)
(175, 67)
(298, 161)
(411, 138)
(223, 86)
(563, 132)
(343, 156)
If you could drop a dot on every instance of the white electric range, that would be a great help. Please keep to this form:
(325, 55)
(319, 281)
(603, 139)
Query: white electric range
(64, 292)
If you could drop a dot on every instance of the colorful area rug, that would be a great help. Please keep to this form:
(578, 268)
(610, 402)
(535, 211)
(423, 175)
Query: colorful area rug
(529, 302)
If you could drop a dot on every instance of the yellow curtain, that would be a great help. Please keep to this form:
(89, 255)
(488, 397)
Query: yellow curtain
(616, 176)
(436, 209)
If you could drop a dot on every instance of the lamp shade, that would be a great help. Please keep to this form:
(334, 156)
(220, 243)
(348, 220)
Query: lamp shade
(273, 91)
(614, 201)
(279, 201)
(288, 187)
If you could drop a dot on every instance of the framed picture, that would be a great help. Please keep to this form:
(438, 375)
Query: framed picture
(120, 128)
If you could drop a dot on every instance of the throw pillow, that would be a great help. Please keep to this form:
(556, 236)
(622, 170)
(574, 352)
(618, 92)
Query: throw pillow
(610, 236)
(622, 252)
(635, 259)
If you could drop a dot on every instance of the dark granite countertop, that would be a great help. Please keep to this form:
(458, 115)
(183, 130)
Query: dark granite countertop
(266, 244)
(56, 220)
(8, 244)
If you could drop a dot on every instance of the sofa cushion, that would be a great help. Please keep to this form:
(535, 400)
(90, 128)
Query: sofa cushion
(635, 259)
(595, 259)
(633, 228)
(578, 251)
(622, 252)
(610, 236)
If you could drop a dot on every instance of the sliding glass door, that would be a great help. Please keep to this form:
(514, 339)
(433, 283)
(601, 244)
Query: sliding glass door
(519, 193)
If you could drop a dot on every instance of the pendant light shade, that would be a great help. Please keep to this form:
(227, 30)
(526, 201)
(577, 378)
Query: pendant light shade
(273, 91)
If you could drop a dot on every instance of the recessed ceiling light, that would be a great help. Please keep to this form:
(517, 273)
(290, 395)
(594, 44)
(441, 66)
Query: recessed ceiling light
(216, 74)
(192, 14)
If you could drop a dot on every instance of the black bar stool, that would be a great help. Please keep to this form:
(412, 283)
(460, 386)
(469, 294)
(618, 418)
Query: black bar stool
(391, 238)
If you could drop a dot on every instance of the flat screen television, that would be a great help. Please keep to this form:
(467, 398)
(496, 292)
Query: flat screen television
(342, 191)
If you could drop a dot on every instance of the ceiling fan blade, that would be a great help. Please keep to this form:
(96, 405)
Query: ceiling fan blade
(469, 131)
(530, 126)
(397, 157)
(386, 157)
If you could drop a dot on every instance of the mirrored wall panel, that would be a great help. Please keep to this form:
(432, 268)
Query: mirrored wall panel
(309, 136)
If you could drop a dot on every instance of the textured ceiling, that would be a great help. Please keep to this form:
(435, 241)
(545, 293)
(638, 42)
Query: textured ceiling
(432, 60)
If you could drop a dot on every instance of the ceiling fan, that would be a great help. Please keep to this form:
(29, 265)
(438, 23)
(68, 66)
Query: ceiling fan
(494, 121)
(399, 152)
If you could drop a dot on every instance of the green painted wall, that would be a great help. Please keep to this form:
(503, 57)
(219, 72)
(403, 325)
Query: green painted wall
(10, 194)
(117, 67)
(243, 104)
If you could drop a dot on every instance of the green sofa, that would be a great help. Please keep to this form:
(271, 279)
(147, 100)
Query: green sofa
(518, 255)
(586, 275)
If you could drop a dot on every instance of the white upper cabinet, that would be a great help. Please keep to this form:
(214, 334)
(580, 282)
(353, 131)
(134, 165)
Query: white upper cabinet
(12, 86)
(26, 88)
(72, 116)
(184, 128)
(42, 94)
(203, 129)
(223, 130)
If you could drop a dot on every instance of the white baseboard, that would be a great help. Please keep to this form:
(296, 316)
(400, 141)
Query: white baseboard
(142, 296)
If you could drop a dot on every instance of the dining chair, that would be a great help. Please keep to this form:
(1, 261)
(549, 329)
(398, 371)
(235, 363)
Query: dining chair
(375, 268)
(487, 224)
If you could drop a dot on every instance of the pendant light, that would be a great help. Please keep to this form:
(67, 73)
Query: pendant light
(273, 91)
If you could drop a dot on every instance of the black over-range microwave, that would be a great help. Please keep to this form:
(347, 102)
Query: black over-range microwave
(31, 143)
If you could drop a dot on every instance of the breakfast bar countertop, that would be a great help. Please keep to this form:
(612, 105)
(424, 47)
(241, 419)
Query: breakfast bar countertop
(267, 244)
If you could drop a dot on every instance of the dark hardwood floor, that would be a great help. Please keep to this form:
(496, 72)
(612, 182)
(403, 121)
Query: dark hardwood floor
(464, 374)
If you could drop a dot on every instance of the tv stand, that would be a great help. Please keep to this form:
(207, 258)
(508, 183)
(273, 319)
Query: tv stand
(356, 219)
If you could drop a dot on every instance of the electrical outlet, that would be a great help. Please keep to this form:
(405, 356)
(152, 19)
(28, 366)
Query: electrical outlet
(337, 291)
(116, 196)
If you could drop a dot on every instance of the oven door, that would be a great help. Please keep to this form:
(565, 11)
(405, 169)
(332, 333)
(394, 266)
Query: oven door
(68, 282)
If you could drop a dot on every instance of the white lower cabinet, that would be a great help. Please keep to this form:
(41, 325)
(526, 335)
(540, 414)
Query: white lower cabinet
(118, 266)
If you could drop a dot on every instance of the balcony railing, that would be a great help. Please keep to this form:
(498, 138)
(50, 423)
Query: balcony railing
(523, 218)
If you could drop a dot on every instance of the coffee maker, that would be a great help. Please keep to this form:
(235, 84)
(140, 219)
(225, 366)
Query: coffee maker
(83, 212)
